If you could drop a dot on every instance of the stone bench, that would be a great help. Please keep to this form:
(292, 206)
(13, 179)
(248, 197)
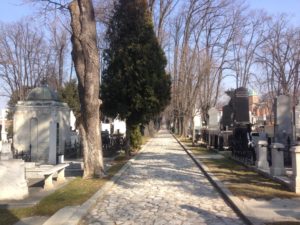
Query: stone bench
(48, 175)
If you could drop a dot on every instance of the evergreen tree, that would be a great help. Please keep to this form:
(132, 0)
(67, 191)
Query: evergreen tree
(69, 94)
(135, 85)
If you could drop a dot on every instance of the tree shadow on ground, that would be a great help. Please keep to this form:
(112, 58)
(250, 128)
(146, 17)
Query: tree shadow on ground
(211, 217)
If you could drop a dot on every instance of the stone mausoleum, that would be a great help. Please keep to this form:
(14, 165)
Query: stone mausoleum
(41, 126)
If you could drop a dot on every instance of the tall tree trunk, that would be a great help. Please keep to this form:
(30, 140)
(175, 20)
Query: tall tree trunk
(193, 131)
(86, 62)
(128, 131)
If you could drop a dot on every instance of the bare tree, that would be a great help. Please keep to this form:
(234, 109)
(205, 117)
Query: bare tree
(59, 41)
(25, 59)
(161, 10)
(248, 37)
(279, 59)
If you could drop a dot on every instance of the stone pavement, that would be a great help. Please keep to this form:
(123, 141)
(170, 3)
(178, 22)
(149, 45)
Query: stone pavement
(162, 186)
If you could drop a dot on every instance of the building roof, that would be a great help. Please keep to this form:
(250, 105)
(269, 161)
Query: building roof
(43, 93)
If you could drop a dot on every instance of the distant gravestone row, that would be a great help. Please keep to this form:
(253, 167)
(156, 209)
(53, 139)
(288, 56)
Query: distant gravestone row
(233, 129)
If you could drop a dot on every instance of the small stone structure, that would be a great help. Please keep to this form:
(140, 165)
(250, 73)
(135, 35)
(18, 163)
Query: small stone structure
(12, 180)
(41, 126)
(277, 168)
(261, 159)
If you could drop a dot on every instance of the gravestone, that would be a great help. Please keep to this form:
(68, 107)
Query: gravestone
(214, 118)
(227, 117)
(283, 130)
(241, 105)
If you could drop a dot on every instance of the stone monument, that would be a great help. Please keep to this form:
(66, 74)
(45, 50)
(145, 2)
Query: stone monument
(283, 129)
(41, 126)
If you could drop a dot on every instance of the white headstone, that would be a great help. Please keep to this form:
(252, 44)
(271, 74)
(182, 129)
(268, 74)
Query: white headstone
(214, 118)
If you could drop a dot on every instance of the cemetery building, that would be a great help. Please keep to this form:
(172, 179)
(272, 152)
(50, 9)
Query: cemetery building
(41, 126)
(260, 110)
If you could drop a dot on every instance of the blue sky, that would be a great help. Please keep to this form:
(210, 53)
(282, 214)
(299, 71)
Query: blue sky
(13, 10)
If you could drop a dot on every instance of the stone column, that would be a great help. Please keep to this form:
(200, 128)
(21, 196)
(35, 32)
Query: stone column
(52, 143)
(277, 168)
(3, 131)
(261, 158)
(295, 150)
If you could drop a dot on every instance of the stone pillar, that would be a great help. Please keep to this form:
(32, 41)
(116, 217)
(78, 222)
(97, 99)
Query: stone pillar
(277, 168)
(295, 150)
(261, 158)
(3, 131)
(52, 143)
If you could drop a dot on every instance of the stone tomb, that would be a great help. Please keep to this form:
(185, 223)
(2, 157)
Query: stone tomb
(41, 126)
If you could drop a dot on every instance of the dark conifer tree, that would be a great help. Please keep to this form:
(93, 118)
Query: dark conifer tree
(135, 85)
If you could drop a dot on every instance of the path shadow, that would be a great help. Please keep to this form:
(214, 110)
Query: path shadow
(6, 216)
(211, 217)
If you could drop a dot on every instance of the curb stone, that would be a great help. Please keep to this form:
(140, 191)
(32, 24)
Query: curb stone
(234, 202)
(80, 211)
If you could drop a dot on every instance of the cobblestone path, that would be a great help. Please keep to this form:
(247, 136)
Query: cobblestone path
(163, 186)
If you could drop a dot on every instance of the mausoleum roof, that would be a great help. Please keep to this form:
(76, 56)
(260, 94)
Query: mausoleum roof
(43, 93)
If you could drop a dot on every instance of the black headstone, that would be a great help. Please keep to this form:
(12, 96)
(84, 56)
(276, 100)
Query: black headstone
(241, 105)
(227, 116)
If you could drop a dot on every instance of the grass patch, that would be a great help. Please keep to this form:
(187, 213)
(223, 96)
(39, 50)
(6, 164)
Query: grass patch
(200, 150)
(184, 139)
(240, 180)
(145, 139)
(245, 183)
(74, 193)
